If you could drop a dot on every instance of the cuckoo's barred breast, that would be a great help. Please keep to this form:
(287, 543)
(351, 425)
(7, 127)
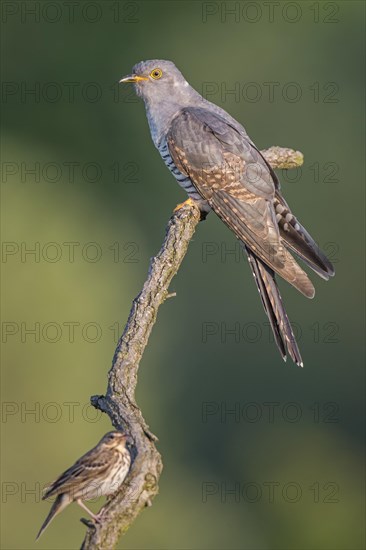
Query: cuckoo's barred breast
(184, 181)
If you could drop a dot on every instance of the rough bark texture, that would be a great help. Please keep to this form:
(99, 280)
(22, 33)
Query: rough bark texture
(119, 402)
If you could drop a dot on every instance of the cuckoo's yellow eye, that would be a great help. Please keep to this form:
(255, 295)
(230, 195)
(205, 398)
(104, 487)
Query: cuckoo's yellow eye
(156, 74)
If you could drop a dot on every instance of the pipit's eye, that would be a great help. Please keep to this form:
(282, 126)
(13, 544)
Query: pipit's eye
(156, 74)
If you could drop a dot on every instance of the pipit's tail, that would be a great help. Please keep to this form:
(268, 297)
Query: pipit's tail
(272, 302)
(60, 503)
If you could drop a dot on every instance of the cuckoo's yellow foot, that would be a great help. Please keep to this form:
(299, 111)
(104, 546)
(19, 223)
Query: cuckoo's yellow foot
(188, 202)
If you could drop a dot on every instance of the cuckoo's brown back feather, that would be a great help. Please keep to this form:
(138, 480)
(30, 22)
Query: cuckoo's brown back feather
(232, 176)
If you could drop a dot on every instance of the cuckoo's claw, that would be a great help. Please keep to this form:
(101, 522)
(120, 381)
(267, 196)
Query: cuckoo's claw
(188, 202)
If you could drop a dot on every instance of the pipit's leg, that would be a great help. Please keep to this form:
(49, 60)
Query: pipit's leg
(80, 503)
(188, 202)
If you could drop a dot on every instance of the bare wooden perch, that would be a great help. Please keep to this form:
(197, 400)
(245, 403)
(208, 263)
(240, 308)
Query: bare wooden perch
(119, 402)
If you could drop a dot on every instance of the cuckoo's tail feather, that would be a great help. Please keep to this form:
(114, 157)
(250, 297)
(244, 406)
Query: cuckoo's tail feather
(60, 503)
(297, 239)
(273, 306)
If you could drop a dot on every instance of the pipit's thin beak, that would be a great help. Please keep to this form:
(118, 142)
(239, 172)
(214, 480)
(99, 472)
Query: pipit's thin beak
(132, 78)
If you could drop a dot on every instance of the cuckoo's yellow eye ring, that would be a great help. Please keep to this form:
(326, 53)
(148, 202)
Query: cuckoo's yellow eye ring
(156, 74)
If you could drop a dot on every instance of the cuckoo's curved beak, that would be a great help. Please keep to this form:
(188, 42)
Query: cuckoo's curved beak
(132, 78)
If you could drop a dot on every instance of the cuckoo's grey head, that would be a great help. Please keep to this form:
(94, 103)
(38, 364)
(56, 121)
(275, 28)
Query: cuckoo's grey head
(158, 81)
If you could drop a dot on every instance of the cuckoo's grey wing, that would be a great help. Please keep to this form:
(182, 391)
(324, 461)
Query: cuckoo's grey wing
(229, 172)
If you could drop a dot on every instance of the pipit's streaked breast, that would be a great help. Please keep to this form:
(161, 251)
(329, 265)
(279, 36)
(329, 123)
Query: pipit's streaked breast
(100, 472)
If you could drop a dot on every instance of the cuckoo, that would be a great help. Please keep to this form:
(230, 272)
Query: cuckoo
(214, 160)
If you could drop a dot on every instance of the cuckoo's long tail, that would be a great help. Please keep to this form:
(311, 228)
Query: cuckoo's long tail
(60, 503)
(273, 306)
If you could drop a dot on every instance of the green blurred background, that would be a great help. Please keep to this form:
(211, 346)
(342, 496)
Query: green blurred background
(99, 183)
